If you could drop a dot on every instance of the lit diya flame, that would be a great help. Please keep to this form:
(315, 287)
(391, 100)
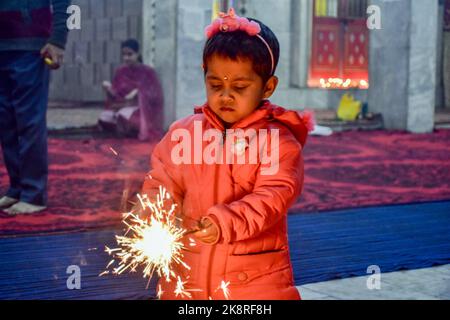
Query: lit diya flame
(154, 243)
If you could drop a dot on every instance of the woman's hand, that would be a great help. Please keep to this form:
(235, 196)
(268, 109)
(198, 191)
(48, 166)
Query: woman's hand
(132, 94)
(208, 231)
(106, 85)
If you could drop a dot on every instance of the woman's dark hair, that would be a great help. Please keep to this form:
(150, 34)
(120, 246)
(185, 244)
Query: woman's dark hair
(239, 45)
(132, 44)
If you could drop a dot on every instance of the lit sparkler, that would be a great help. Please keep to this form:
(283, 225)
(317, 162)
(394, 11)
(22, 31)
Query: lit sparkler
(154, 243)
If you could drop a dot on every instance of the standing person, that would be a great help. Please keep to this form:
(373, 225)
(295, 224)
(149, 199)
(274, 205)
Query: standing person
(134, 99)
(236, 210)
(31, 33)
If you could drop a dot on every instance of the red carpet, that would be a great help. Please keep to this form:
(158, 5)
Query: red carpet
(371, 168)
(88, 182)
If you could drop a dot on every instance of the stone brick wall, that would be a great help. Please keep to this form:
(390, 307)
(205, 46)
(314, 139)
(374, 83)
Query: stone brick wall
(93, 53)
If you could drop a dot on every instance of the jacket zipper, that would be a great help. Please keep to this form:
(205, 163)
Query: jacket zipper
(213, 248)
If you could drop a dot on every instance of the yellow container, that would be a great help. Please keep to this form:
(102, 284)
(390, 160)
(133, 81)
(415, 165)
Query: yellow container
(349, 108)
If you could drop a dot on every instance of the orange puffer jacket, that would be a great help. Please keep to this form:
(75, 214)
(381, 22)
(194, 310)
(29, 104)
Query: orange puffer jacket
(250, 208)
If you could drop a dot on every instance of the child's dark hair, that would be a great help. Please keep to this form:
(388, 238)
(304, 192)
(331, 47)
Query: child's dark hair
(239, 45)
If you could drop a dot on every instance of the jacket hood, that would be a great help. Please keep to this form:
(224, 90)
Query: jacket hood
(299, 123)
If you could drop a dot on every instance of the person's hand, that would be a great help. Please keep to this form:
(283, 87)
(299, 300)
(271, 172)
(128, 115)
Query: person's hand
(106, 85)
(208, 231)
(54, 53)
(132, 94)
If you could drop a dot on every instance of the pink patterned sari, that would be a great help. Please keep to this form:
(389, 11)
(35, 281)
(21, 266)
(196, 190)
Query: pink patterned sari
(147, 117)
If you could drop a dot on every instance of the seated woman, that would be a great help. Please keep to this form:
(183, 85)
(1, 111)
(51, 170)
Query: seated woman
(134, 100)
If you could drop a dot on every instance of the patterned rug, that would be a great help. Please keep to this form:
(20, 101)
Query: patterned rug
(91, 180)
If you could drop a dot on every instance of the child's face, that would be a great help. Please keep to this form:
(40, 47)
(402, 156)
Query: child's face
(234, 90)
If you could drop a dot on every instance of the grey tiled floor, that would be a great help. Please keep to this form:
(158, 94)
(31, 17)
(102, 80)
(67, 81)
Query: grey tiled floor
(58, 119)
(420, 284)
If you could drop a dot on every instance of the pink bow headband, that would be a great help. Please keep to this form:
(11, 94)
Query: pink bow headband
(232, 22)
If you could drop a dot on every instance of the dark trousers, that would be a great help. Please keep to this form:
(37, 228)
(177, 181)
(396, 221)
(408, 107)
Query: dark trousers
(24, 80)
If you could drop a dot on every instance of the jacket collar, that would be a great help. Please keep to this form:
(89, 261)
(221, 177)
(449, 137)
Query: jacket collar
(261, 112)
(300, 124)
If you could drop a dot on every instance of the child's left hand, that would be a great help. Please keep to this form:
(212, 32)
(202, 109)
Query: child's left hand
(208, 232)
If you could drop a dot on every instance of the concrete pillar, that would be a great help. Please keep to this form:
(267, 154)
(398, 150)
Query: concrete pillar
(446, 53)
(159, 48)
(403, 58)
(446, 40)
(193, 17)
(440, 59)
(301, 32)
(422, 65)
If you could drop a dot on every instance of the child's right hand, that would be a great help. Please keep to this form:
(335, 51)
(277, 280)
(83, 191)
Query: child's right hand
(208, 231)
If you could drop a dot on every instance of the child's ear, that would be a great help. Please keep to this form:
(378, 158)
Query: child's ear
(270, 87)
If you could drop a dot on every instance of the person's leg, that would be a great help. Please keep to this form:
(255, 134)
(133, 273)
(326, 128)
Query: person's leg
(107, 120)
(128, 121)
(8, 133)
(30, 80)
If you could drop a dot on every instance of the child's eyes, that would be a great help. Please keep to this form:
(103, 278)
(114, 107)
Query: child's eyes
(215, 86)
(237, 88)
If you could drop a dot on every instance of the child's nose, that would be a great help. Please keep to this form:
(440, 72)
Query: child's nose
(226, 94)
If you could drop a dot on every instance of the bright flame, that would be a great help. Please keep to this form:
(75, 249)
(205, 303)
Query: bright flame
(154, 243)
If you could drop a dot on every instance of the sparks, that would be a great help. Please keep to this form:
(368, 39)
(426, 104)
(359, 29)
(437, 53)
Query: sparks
(154, 243)
(113, 151)
(160, 292)
(224, 287)
(180, 291)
